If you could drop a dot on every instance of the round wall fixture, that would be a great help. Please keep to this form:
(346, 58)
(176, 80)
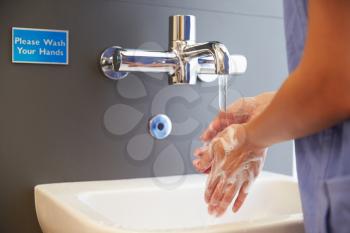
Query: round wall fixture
(160, 126)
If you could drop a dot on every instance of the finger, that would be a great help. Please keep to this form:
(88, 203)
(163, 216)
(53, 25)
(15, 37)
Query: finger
(207, 171)
(255, 169)
(229, 192)
(203, 162)
(218, 193)
(200, 166)
(211, 209)
(202, 153)
(198, 152)
(215, 199)
(242, 195)
(220, 123)
(211, 185)
(217, 125)
(213, 129)
(195, 164)
(258, 167)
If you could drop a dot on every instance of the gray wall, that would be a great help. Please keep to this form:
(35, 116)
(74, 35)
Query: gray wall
(53, 118)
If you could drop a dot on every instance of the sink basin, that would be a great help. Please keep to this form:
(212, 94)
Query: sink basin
(143, 205)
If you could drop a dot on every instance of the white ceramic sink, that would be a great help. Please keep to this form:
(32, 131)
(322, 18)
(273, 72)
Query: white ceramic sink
(142, 205)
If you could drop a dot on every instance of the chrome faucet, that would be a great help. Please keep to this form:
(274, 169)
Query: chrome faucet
(184, 62)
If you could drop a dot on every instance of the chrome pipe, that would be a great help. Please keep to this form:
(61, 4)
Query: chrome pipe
(146, 61)
(182, 28)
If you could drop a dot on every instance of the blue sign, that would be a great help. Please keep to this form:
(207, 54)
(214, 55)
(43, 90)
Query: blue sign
(43, 46)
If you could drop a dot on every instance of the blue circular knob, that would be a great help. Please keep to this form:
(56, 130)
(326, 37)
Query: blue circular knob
(160, 126)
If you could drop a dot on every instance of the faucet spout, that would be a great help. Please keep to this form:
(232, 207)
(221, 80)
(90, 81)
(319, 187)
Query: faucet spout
(213, 49)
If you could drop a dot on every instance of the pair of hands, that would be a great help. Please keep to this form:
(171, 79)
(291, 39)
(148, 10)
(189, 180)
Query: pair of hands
(229, 157)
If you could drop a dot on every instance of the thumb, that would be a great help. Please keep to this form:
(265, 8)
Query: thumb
(220, 122)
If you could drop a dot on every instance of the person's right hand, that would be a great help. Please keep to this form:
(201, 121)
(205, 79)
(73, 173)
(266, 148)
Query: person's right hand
(239, 112)
(237, 161)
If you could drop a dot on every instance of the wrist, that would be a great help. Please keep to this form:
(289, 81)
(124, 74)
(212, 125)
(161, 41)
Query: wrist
(267, 95)
(265, 98)
(253, 138)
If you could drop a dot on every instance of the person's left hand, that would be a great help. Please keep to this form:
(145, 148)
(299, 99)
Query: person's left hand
(239, 112)
(236, 163)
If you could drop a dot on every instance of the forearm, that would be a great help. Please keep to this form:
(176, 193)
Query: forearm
(303, 105)
(317, 94)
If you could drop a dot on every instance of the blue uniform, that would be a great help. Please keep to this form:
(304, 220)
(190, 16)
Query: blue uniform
(323, 159)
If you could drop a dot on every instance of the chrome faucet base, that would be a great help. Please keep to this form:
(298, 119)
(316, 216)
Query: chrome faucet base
(107, 65)
(185, 62)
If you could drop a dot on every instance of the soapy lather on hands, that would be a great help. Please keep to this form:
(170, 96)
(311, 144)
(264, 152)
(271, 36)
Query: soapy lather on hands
(232, 161)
